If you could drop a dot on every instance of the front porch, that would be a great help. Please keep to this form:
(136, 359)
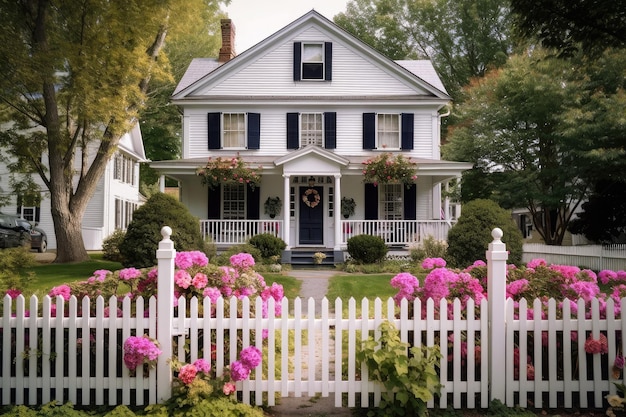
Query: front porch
(395, 233)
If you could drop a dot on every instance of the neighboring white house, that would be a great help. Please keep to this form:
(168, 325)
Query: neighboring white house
(116, 197)
(309, 104)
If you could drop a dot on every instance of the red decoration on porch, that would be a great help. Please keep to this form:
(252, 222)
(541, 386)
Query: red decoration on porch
(307, 200)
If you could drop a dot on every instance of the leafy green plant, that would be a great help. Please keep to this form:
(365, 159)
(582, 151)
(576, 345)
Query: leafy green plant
(469, 238)
(144, 232)
(387, 168)
(111, 246)
(224, 257)
(409, 374)
(269, 245)
(228, 170)
(367, 249)
(429, 248)
(15, 276)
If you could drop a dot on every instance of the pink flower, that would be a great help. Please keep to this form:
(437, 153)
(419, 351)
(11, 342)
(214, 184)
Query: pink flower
(250, 357)
(606, 276)
(187, 374)
(200, 280)
(183, 260)
(594, 346)
(129, 274)
(13, 293)
(516, 287)
(238, 372)
(182, 279)
(100, 274)
(619, 362)
(202, 365)
(213, 294)
(536, 262)
(430, 263)
(62, 290)
(242, 260)
(139, 350)
(229, 388)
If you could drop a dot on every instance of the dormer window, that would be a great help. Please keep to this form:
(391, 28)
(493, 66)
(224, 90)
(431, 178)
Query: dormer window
(312, 61)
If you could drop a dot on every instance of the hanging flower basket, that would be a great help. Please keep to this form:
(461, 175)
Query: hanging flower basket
(228, 170)
(389, 169)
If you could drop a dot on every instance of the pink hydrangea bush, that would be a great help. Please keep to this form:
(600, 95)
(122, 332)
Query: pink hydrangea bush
(139, 351)
(195, 381)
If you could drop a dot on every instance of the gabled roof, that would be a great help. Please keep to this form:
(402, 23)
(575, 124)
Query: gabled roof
(312, 149)
(203, 71)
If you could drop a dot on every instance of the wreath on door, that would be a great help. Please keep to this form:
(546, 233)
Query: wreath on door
(306, 197)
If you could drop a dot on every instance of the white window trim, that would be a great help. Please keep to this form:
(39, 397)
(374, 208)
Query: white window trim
(301, 130)
(245, 202)
(245, 131)
(323, 62)
(382, 200)
(380, 146)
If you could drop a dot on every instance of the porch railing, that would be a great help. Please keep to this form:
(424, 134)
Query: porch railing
(396, 232)
(393, 232)
(238, 231)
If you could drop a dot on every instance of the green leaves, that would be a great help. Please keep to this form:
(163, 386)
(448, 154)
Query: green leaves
(409, 374)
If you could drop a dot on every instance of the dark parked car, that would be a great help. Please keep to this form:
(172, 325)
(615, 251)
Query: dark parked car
(15, 231)
(38, 238)
(12, 232)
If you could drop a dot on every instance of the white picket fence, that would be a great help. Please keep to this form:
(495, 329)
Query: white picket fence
(309, 351)
(595, 257)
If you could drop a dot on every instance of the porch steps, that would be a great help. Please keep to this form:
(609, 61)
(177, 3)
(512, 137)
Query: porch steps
(304, 257)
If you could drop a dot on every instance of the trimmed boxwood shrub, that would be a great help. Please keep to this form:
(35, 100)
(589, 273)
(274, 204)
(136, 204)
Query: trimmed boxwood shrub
(367, 249)
(111, 246)
(224, 257)
(268, 244)
(469, 238)
(143, 235)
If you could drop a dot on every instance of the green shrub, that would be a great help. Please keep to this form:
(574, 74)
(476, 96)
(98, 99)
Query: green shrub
(144, 232)
(469, 238)
(224, 257)
(429, 248)
(14, 263)
(111, 246)
(367, 249)
(268, 244)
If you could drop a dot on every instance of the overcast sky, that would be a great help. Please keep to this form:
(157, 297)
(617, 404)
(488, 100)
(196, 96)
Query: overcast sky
(255, 20)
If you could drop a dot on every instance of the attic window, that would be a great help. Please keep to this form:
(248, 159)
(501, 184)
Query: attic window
(312, 61)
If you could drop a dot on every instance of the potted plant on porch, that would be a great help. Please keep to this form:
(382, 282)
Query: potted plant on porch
(347, 207)
(273, 206)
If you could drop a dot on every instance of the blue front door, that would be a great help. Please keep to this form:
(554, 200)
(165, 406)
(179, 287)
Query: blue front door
(311, 215)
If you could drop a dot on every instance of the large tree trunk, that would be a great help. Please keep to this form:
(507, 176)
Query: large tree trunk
(69, 235)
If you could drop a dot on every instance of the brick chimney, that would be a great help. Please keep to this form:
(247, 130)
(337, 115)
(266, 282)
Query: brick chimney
(227, 51)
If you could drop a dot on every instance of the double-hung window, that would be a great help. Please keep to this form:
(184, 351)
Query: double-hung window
(234, 130)
(312, 61)
(392, 131)
(388, 131)
(311, 130)
(391, 206)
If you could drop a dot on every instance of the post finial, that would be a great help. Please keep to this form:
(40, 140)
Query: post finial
(166, 232)
(497, 234)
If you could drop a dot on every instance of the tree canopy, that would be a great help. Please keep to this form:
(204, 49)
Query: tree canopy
(536, 129)
(463, 38)
(567, 26)
(75, 77)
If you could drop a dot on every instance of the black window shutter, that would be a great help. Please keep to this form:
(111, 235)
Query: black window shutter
(410, 204)
(330, 130)
(253, 199)
(328, 60)
(371, 202)
(292, 131)
(297, 61)
(254, 130)
(215, 203)
(407, 131)
(214, 130)
(369, 130)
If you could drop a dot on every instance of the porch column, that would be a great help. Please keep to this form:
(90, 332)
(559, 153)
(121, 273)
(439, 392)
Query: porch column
(446, 203)
(162, 183)
(286, 212)
(337, 212)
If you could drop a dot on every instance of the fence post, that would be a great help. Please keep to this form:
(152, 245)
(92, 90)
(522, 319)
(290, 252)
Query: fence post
(165, 289)
(496, 291)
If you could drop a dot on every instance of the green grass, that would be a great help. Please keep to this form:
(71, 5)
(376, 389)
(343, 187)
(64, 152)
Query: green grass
(291, 286)
(52, 275)
(370, 286)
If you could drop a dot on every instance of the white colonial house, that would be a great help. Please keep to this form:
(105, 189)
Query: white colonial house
(116, 197)
(309, 105)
